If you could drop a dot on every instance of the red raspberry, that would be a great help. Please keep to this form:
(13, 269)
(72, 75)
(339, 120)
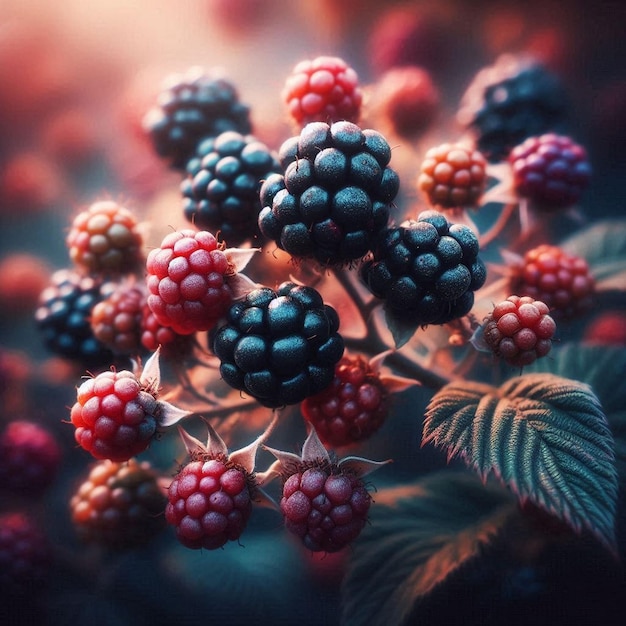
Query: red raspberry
(551, 170)
(155, 335)
(324, 502)
(115, 416)
(324, 506)
(325, 89)
(453, 176)
(116, 320)
(210, 501)
(408, 99)
(352, 408)
(29, 458)
(608, 328)
(105, 238)
(186, 281)
(24, 555)
(562, 281)
(519, 330)
(120, 505)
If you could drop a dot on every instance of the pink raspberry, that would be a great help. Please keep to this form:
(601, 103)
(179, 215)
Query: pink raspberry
(324, 502)
(352, 408)
(551, 170)
(210, 499)
(324, 506)
(29, 458)
(325, 89)
(187, 281)
(519, 330)
(120, 505)
(453, 176)
(560, 280)
(115, 418)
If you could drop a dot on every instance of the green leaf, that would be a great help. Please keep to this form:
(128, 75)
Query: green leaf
(603, 246)
(603, 368)
(419, 534)
(544, 436)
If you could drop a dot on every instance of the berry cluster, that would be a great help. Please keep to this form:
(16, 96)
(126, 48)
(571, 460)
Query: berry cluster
(120, 505)
(221, 191)
(186, 281)
(193, 106)
(325, 89)
(279, 346)
(560, 280)
(426, 271)
(519, 330)
(335, 194)
(352, 408)
(105, 238)
(453, 176)
(551, 170)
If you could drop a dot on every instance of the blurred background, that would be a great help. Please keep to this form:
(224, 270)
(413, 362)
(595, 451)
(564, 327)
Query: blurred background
(76, 79)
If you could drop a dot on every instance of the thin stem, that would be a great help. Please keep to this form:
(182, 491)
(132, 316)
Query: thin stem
(498, 225)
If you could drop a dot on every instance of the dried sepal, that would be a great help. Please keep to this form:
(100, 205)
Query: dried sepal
(359, 467)
(238, 258)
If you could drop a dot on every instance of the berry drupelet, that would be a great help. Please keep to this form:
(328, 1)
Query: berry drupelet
(519, 330)
(453, 176)
(187, 281)
(279, 346)
(426, 271)
(221, 191)
(334, 196)
(105, 239)
(191, 107)
(514, 99)
(560, 280)
(119, 506)
(550, 170)
(352, 408)
(325, 89)
(63, 317)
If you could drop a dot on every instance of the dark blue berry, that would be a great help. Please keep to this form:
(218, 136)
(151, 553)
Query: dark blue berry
(291, 351)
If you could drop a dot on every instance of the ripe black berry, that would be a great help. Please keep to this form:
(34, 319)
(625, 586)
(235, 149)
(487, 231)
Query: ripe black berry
(221, 191)
(279, 346)
(192, 107)
(426, 270)
(514, 99)
(334, 196)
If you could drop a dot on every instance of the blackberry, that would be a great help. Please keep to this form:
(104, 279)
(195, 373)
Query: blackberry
(426, 270)
(191, 107)
(550, 170)
(221, 191)
(514, 99)
(119, 505)
(334, 196)
(63, 317)
(279, 346)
